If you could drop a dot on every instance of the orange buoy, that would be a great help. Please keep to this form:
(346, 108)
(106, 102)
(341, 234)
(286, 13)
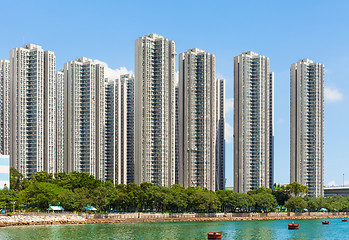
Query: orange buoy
(325, 222)
(214, 235)
(293, 226)
(344, 220)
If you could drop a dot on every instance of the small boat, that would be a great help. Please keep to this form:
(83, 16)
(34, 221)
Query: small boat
(293, 226)
(325, 222)
(344, 220)
(214, 235)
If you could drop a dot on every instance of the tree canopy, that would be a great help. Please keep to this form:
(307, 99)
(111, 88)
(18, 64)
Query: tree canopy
(76, 190)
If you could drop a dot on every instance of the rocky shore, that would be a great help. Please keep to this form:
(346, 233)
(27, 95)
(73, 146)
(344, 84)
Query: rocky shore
(74, 218)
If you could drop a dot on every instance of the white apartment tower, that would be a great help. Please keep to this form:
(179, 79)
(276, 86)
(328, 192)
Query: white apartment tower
(220, 155)
(60, 121)
(253, 122)
(119, 129)
(50, 112)
(32, 74)
(197, 119)
(84, 117)
(112, 131)
(128, 81)
(155, 110)
(4, 107)
(177, 166)
(307, 125)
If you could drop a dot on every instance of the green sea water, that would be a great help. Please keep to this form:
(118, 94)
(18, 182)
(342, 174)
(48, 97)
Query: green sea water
(309, 229)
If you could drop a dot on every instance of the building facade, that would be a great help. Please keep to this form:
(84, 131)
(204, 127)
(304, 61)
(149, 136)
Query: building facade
(197, 119)
(84, 117)
(4, 107)
(119, 135)
(307, 125)
(60, 121)
(220, 155)
(177, 166)
(155, 110)
(253, 122)
(4, 171)
(128, 80)
(50, 112)
(32, 137)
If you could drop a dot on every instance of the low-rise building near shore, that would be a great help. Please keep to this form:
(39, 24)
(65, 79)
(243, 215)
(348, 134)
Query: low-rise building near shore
(336, 190)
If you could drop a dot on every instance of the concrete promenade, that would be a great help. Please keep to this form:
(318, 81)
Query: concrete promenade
(84, 218)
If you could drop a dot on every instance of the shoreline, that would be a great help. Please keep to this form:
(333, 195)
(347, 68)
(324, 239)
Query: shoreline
(81, 220)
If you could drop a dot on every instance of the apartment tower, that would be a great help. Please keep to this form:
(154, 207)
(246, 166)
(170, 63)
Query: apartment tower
(197, 119)
(128, 81)
(253, 122)
(119, 130)
(220, 155)
(60, 121)
(4, 107)
(32, 117)
(84, 117)
(155, 110)
(307, 125)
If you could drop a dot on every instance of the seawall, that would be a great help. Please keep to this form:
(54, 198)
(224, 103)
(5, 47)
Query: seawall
(84, 218)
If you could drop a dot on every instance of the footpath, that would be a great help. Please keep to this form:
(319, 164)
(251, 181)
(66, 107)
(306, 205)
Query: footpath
(84, 218)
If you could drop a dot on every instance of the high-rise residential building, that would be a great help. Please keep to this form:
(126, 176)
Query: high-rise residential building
(197, 119)
(253, 122)
(177, 167)
(32, 74)
(84, 117)
(220, 155)
(112, 131)
(155, 110)
(60, 121)
(307, 125)
(119, 135)
(50, 112)
(128, 81)
(4, 107)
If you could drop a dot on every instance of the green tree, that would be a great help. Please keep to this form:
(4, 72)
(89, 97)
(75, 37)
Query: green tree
(203, 201)
(311, 203)
(68, 200)
(264, 201)
(281, 194)
(7, 198)
(295, 203)
(40, 194)
(43, 176)
(103, 195)
(296, 189)
(17, 181)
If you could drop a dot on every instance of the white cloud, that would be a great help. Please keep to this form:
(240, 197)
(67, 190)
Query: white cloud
(113, 73)
(229, 105)
(220, 76)
(331, 183)
(333, 95)
(229, 133)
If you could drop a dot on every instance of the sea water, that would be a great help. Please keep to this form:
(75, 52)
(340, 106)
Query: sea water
(274, 229)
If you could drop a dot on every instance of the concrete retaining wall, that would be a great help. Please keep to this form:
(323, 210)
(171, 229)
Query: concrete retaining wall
(80, 217)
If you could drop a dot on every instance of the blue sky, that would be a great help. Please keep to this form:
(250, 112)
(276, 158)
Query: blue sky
(284, 31)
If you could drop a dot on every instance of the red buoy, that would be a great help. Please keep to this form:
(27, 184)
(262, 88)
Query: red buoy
(325, 222)
(293, 226)
(344, 220)
(214, 235)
